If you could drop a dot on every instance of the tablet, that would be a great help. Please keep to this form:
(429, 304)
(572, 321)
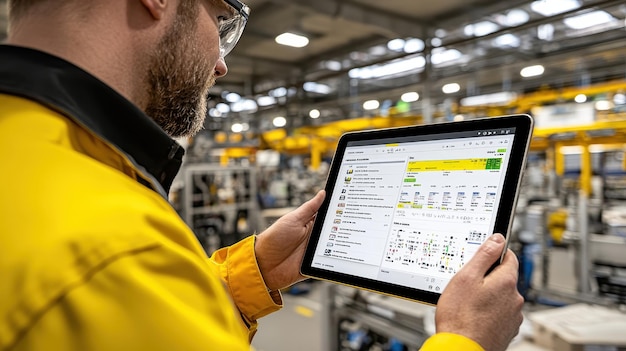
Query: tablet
(406, 208)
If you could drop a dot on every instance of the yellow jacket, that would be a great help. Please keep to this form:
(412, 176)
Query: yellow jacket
(92, 256)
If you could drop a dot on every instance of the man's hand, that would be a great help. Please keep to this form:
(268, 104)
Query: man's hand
(486, 309)
(280, 248)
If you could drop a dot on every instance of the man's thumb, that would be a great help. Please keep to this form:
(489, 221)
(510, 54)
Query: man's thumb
(488, 253)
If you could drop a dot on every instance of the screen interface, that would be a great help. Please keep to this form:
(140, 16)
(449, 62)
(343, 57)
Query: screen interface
(413, 211)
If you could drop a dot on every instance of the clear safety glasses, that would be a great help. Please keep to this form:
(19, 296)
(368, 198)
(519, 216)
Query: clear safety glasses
(232, 28)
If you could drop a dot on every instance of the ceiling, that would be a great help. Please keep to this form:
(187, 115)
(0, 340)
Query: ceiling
(348, 54)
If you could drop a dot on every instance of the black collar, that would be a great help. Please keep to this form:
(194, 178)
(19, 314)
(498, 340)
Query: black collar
(80, 96)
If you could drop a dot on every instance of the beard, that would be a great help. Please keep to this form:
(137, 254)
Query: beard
(179, 78)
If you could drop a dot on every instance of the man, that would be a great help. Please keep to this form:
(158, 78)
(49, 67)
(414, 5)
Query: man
(93, 257)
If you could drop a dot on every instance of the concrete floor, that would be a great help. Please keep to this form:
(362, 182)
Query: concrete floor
(298, 326)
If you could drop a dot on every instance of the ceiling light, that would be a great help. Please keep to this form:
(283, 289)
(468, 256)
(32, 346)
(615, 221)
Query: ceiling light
(232, 97)
(451, 88)
(414, 45)
(459, 118)
(396, 44)
(389, 69)
(278, 92)
(332, 65)
(436, 42)
(222, 107)
(247, 105)
(215, 113)
(237, 128)
(480, 29)
(279, 122)
(604, 105)
(507, 40)
(315, 114)
(410, 97)
(371, 105)
(377, 50)
(441, 56)
(313, 87)
(293, 40)
(516, 17)
(553, 7)
(265, 101)
(580, 98)
(532, 71)
(502, 98)
(545, 32)
(619, 99)
(587, 20)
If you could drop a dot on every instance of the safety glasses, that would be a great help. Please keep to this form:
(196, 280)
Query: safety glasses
(232, 28)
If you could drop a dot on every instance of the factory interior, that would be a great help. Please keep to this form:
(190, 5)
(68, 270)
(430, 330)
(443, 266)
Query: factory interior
(306, 72)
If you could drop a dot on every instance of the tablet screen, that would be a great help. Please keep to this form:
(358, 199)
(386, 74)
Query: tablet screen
(411, 211)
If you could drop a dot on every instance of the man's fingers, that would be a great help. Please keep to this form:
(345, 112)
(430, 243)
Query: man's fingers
(307, 210)
(488, 253)
(509, 263)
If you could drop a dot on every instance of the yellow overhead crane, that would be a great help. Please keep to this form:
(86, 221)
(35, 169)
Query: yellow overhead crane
(553, 140)
(320, 141)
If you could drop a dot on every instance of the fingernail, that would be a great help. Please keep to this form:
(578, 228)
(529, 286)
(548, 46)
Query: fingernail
(498, 238)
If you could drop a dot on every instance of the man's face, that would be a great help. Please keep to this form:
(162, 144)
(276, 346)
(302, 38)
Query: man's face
(180, 75)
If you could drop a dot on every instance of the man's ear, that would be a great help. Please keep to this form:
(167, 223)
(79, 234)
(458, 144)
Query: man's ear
(155, 7)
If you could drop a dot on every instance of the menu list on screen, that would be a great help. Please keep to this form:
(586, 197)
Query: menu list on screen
(413, 213)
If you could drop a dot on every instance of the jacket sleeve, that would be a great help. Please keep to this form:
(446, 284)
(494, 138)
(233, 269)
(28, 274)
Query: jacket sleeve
(449, 342)
(238, 268)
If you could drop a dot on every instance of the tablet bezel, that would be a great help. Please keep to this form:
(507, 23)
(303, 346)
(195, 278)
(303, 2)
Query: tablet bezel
(523, 125)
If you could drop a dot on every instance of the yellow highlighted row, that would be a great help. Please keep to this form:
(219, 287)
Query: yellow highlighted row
(470, 164)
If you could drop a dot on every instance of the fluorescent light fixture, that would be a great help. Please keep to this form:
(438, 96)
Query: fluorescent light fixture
(236, 128)
(451, 88)
(604, 105)
(377, 50)
(549, 8)
(313, 87)
(265, 101)
(247, 105)
(516, 17)
(436, 42)
(279, 121)
(292, 39)
(371, 105)
(502, 98)
(332, 65)
(389, 69)
(588, 20)
(532, 71)
(414, 45)
(278, 92)
(545, 32)
(580, 98)
(214, 113)
(232, 97)
(396, 44)
(506, 40)
(222, 107)
(315, 113)
(410, 97)
(480, 29)
(441, 56)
